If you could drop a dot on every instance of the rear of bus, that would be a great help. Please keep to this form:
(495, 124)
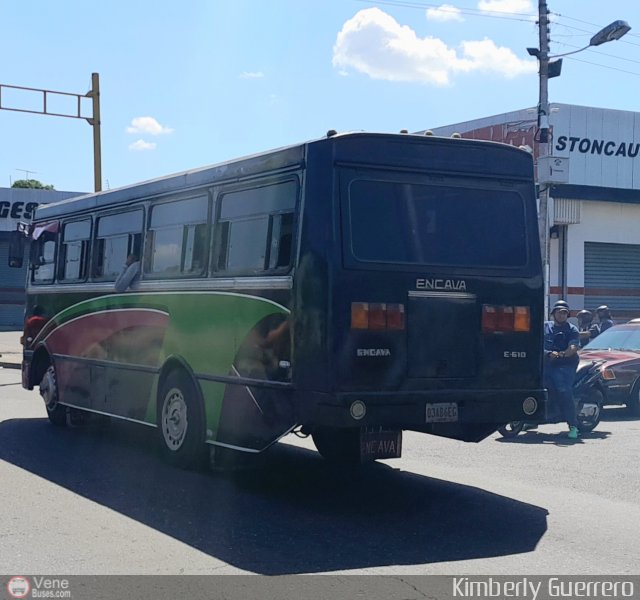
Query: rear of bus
(426, 285)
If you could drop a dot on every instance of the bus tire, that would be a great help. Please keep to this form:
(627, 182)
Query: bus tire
(511, 429)
(180, 419)
(338, 445)
(56, 412)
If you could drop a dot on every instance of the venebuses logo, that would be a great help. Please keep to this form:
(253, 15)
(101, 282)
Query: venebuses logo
(18, 587)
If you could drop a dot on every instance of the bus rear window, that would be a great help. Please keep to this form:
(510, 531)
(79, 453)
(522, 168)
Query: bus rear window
(395, 222)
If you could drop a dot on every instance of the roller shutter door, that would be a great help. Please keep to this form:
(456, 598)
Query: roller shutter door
(612, 276)
(12, 282)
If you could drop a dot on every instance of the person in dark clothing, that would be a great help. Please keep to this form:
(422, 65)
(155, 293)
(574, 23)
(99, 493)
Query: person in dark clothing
(604, 318)
(585, 319)
(561, 342)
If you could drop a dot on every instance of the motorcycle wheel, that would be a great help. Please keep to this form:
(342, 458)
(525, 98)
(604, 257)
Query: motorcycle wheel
(511, 430)
(589, 423)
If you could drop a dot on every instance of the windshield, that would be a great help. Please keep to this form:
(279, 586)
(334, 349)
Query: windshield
(399, 222)
(622, 337)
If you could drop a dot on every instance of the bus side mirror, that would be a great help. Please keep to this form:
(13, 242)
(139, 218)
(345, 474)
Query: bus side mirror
(16, 250)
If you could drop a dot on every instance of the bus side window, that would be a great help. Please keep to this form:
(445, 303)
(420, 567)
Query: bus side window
(178, 237)
(281, 241)
(43, 254)
(74, 251)
(117, 236)
(254, 233)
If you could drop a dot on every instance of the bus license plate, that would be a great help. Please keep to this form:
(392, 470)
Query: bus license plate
(443, 412)
(383, 443)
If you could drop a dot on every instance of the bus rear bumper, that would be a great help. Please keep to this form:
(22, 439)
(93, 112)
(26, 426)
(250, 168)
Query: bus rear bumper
(452, 414)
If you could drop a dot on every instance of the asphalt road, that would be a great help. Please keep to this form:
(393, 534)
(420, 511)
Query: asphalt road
(93, 501)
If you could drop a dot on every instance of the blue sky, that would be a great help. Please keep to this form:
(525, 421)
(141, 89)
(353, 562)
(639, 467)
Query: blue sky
(198, 82)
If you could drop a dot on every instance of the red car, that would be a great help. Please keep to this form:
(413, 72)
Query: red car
(619, 348)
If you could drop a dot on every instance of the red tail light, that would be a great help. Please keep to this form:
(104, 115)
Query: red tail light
(489, 319)
(505, 319)
(377, 315)
(395, 316)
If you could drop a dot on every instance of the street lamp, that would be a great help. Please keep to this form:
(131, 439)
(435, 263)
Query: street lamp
(547, 69)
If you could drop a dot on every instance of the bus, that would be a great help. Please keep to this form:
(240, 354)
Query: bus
(348, 288)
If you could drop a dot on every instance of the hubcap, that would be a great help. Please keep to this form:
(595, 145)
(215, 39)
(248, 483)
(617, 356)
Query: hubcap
(174, 419)
(48, 389)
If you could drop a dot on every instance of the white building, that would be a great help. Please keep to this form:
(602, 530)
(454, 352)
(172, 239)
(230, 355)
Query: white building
(17, 204)
(594, 216)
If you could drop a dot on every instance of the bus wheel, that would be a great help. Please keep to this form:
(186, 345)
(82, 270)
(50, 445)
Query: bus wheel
(57, 413)
(180, 421)
(512, 429)
(339, 446)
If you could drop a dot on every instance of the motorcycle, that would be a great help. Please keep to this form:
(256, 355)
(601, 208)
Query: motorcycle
(589, 398)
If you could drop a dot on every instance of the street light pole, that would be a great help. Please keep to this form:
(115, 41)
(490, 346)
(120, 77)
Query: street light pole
(613, 31)
(543, 143)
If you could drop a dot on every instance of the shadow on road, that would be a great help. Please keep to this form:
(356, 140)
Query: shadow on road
(293, 515)
(557, 438)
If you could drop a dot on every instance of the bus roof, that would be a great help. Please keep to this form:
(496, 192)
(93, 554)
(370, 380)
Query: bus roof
(235, 169)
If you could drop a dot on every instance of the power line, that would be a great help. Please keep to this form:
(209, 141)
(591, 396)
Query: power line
(475, 12)
(598, 52)
(603, 66)
(587, 22)
(522, 17)
(587, 32)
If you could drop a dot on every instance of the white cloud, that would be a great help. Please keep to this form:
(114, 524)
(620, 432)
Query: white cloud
(374, 43)
(251, 75)
(141, 145)
(486, 56)
(445, 12)
(506, 6)
(147, 125)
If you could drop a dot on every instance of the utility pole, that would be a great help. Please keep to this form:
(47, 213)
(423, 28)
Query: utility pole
(543, 143)
(94, 120)
(94, 94)
(613, 31)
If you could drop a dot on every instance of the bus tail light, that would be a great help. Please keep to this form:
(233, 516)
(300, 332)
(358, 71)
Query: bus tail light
(377, 316)
(359, 315)
(522, 319)
(505, 319)
(395, 316)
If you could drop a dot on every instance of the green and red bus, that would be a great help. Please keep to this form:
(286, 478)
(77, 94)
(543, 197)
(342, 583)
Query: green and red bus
(349, 288)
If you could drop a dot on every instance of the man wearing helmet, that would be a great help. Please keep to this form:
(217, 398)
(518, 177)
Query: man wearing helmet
(604, 319)
(561, 342)
(584, 326)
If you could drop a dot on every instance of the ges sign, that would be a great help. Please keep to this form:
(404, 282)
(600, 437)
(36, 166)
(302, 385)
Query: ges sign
(17, 210)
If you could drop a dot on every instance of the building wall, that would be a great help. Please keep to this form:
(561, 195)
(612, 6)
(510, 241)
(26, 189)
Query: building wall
(17, 205)
(601, 222)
